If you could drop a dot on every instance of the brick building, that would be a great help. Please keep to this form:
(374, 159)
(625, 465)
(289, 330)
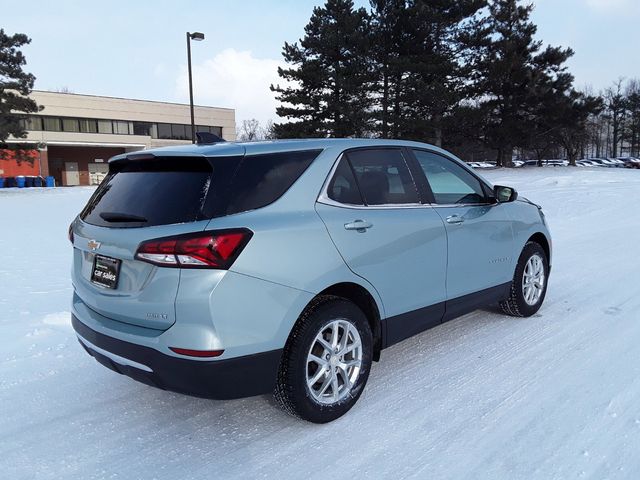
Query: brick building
(74, 135)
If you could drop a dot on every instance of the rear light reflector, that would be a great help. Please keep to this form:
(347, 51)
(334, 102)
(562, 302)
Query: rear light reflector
(215, 249)
(197, 353)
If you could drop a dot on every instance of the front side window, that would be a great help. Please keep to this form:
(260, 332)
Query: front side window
(449, 182)
(383, 177)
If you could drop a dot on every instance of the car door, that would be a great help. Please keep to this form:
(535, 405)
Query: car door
(479, 233)
(386, 235)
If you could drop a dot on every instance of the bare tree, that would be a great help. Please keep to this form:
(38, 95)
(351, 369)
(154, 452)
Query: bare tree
(616, 108)
(269, 131)
(250, 131)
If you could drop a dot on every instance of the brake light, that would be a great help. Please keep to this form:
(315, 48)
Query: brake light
(217, 249)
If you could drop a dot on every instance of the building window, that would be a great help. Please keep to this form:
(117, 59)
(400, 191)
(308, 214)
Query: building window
(178, 132)
(105, 126)
(164, 130)
(88, 125)
(216, 131)
(142, 128)
(121, 127)
(32, 123)
(52, 124)
(70, 125)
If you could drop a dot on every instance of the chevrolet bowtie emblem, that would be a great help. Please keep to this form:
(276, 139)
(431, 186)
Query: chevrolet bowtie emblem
(93, 245)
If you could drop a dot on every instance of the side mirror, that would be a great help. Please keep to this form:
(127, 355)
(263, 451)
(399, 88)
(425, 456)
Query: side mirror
(504, 194)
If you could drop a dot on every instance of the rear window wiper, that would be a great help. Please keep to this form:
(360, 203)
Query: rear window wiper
(121, 217)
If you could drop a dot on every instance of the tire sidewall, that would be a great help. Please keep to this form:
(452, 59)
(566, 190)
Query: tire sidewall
(306, 406)
(530, 250)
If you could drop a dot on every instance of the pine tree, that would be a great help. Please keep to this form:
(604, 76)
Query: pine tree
(572, 113)
(633, 123)
(329, 79)
(421, 50)
(390, 48)
(15, 86)
(514, 74)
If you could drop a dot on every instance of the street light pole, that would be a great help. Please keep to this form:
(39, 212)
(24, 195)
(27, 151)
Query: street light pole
(198, 37)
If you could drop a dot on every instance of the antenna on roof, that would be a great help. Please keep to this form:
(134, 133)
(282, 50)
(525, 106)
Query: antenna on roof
(206, 138)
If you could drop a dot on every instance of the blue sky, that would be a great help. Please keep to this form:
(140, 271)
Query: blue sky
(137, 48)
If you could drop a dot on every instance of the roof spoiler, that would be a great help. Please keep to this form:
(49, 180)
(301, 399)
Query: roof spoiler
(206, 138)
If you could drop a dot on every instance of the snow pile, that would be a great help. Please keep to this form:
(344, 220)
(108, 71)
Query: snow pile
(484, 396)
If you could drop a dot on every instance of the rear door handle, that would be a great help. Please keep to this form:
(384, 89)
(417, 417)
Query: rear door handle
(359, 225)
(455, 219)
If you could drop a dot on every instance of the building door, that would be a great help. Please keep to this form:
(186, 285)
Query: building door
(97, 172)
(71, 173)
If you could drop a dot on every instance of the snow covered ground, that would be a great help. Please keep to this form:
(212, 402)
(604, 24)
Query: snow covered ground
(556, 396)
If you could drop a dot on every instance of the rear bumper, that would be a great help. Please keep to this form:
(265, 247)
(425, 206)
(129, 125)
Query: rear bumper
(219, 379)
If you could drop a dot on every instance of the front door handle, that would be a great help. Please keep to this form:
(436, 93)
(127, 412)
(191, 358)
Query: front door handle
(455, 219)
(359, 225)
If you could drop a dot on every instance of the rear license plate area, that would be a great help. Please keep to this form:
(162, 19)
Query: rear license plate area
(105, 271)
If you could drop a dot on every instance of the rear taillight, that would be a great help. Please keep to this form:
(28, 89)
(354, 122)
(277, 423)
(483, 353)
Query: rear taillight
(217, 249)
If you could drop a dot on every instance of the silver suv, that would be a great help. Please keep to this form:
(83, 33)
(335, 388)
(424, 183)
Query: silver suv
(238, 269)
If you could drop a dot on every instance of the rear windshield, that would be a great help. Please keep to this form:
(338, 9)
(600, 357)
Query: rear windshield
(164, 191)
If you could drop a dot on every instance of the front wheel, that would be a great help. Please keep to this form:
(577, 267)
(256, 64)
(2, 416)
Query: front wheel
(326, 361)
(529, 285)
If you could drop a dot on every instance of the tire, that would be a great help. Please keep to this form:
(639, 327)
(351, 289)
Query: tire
(519, 304)
(310, 402)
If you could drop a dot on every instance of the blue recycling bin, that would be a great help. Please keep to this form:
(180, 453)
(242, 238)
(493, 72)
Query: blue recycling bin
(51, 182)
(38, 181)
(28, 182)
(20, 181)
(1, 182)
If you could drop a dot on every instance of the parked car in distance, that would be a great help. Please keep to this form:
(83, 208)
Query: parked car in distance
(587, 163)
(631, 162)
(616, 162)
(234, 269)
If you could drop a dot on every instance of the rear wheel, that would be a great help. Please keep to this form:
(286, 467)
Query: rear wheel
(529, 285)
(326, 361)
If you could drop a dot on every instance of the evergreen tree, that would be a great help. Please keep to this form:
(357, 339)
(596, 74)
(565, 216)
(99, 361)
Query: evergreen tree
(446, 36)
(515, 75)
(421, 51)
(327, 90)
(15, 86)
(633, 123)
(573, 112)
(390, 51)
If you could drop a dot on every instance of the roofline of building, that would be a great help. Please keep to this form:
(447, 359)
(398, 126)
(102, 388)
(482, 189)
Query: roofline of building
(134, 99)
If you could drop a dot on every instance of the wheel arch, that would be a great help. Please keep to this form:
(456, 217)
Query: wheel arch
(542, 240)
(366, 302)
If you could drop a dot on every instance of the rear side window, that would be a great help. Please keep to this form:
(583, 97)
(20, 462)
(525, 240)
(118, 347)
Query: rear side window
(150, 192)
(180, 190)
(343, 187)
(383, 177)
